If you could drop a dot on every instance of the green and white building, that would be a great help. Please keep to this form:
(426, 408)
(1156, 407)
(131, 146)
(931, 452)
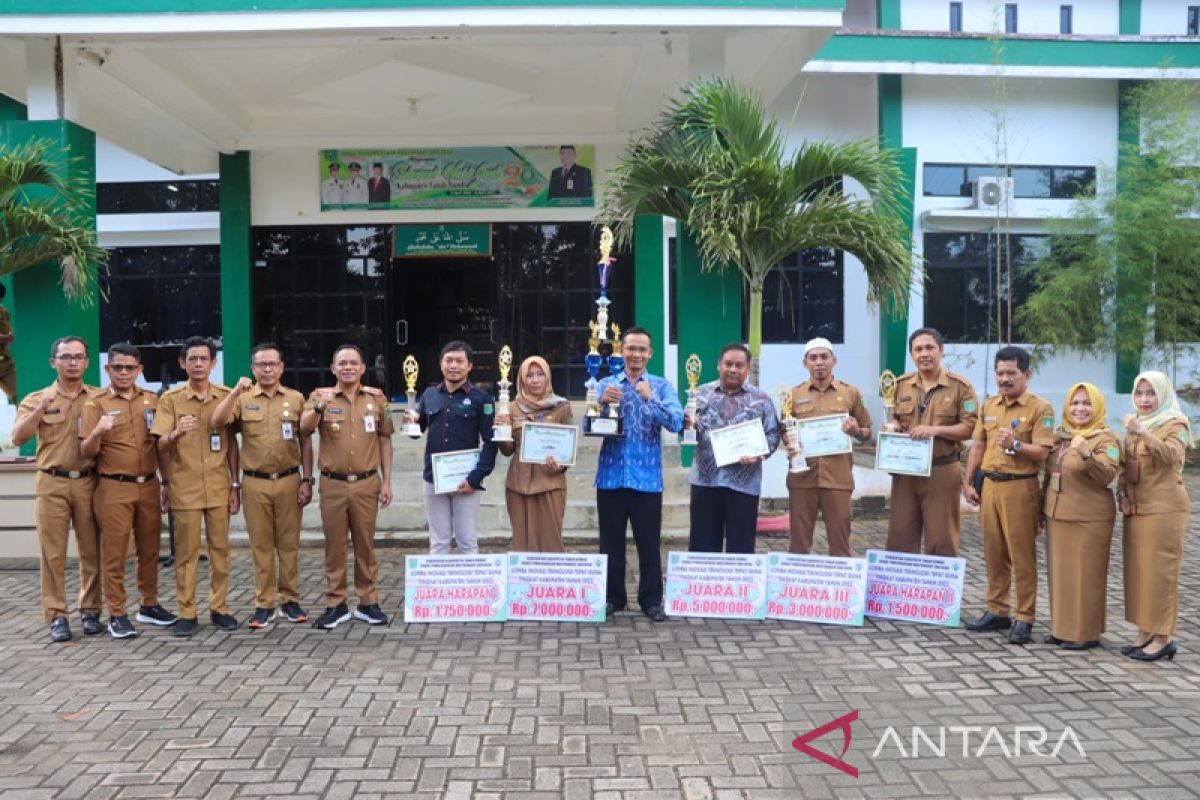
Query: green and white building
(204, 123)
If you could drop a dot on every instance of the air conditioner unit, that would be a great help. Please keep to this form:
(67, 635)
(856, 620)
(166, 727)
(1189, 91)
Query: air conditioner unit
(992, 193)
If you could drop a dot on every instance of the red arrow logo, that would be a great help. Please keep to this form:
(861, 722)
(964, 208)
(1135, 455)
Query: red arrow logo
(843, 722)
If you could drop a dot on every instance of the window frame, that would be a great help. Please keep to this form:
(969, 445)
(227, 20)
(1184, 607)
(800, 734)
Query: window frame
(956, 17)
(1011, 24)
(1052, 181)
(1066, 20)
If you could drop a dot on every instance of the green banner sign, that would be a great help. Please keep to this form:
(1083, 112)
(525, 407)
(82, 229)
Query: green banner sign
(433, 241)
(457, 177)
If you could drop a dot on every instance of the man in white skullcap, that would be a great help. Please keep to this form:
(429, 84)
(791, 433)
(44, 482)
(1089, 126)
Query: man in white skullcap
(829, 481)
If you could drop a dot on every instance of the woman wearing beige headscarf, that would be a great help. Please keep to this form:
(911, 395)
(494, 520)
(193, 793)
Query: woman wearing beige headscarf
(1079, 513)
(1155, 504)
(536, 494)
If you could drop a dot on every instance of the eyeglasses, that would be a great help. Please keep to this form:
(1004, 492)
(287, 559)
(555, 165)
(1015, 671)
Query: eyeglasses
(124, 367)
(71, 357)
(266, 364)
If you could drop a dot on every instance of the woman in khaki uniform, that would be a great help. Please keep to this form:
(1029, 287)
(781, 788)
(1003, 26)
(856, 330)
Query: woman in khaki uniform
(1080, 511)
(1155, 504)
(536, 494)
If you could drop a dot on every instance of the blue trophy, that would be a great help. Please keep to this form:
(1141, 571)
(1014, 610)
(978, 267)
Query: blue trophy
(602, 420)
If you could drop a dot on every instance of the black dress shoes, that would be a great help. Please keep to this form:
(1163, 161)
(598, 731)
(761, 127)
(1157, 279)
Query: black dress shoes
(989, 622)
(1167, 651)
(656, 614)
(1050, 638)
(1021, 632)
(1080, 645)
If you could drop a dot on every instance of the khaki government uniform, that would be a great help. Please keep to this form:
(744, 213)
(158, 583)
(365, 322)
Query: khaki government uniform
(931, 505)
(1155, 531)
(536, 495)
(349, 461)
(199, 493)
(1010, 509)
(829, 482)
(63, 502)
(1079, 520)
(8, 369)
(127, 493)
(271, 499)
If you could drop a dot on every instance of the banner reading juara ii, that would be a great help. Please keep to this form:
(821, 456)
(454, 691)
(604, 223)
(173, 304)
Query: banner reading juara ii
(457, 177)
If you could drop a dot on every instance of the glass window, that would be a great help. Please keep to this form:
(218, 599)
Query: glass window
(1010, 17)
(1193, 21)
(1031, 181)
(1065, 21)
(956, 180)
(956, 18)
(802, 299)
(157, 197)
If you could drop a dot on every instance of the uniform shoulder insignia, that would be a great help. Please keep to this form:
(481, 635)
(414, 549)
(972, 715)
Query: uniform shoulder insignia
(89, 403)
(957, 377)
(908, 376)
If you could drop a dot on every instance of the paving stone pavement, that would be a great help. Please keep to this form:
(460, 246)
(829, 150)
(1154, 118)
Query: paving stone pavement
(628, 710)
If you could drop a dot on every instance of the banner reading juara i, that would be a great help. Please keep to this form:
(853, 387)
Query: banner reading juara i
(457, 177)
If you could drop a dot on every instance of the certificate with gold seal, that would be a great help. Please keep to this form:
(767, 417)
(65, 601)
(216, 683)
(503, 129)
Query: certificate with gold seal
(823, 436)
(900, 454)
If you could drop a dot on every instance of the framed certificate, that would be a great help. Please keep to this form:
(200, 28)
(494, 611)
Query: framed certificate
(451, 469)
(540, 440)
(823, 436)
(731, 443)
(900, 454)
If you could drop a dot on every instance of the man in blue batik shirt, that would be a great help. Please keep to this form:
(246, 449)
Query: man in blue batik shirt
(629, 482)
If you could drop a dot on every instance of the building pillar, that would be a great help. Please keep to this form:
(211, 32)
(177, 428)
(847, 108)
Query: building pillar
(649, 291)
(708, 313)
(1130, 327)
(893, 315)
(1131, 17)
(236, 297)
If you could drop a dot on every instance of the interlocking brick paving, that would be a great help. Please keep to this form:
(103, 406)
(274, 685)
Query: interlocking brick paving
(628, 710)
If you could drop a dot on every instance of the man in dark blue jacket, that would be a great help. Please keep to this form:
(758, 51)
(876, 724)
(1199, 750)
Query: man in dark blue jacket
(456, 416)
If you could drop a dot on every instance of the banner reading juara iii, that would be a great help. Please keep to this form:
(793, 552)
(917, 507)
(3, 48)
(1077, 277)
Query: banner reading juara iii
(457, 177)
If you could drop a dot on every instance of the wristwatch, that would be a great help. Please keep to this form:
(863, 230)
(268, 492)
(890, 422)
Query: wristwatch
(1016, 445)
(235, 485)
(309, 481)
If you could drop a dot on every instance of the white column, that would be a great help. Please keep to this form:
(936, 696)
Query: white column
(51, 75)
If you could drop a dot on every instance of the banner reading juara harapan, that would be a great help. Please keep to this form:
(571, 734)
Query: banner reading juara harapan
(457, 177)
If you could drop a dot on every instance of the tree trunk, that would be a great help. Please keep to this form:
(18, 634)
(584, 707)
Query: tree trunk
(754, 331)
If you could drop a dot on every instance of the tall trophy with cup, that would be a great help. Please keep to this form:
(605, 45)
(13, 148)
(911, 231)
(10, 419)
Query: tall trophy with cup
(603, 420)
(503, 433)
(410, 369)
(691, 368)
(791, 431)
(887, 390)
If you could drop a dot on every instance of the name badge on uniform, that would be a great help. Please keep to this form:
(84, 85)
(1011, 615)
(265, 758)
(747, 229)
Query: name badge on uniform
(570, 183)
(149, 419)
(214, 442)
(288, 433)
(369, 423)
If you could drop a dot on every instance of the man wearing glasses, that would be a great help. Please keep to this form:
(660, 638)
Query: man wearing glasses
(116, 432)
(65, 482)
(277, 474)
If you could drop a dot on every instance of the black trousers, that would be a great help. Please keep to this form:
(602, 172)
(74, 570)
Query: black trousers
(722, 516)
(643, 511)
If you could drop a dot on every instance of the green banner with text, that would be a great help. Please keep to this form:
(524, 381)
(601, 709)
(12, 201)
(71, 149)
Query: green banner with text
(434, 241)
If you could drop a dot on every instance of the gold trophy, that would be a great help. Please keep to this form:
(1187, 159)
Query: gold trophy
(791, 431)
(503, 433)
(691, 368)
(603, 420)
(887, 390)
(411, 369)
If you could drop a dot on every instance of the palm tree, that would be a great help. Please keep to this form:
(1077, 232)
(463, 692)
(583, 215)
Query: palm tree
(42, 219)
(716, 161)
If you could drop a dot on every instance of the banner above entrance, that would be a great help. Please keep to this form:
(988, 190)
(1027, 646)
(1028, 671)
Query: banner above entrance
(433, 241)
(457, 177)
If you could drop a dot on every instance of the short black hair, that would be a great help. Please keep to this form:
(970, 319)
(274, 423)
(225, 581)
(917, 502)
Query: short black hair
(261, 346)
(356, 165)
(335, 166)
(933, 333)
(636, 329)
(458, 344)
(124, 349)
(198, 341)
(361, 355)
(741, 348)
(377, 164)
(1013, 353)
(562, 147)
(66, 340)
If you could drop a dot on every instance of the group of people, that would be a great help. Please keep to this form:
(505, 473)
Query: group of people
(101, 453)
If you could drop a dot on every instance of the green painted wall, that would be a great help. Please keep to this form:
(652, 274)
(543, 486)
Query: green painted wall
(11, 110)
(710, 319)
(1131, 17)
(104, 7)
(40, 312)
(1128, 290)
(893, 317)
(649, 291)
(236, 298)
(887, 14)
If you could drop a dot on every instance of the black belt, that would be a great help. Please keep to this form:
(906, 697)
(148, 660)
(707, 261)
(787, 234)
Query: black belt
(348, 477)
(942, 461)
(271, 476)
(129, 478)
(1001, 477)
(69, 473)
